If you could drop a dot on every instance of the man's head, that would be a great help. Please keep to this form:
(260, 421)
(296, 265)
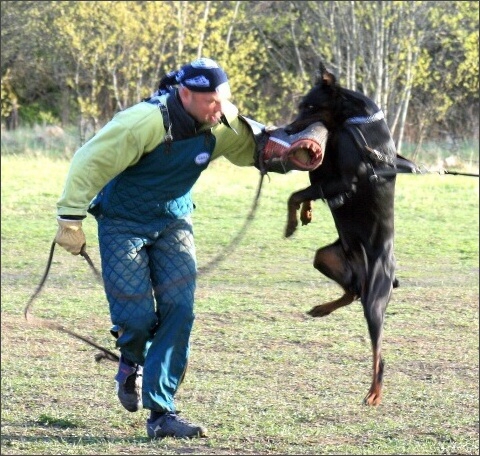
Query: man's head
(203, 87)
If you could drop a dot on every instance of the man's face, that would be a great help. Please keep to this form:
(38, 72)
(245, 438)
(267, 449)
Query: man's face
(205, 107)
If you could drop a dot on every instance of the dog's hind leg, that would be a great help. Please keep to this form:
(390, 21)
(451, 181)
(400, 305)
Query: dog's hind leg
(374, 395)
(322, 310)
(374, 304)
(331, 262)
(375, 328)
(374, 313)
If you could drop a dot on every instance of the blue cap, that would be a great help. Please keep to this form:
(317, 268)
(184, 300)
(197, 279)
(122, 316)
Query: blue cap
(204, 75)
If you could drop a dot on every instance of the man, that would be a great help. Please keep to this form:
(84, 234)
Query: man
(141, 167)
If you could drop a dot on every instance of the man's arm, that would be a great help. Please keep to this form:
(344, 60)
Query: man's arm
(246, 142)
(118, 145)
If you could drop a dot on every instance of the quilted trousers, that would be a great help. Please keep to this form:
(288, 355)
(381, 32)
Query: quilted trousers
(149, 273)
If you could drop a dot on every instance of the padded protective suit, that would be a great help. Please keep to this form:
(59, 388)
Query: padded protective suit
(147, 250)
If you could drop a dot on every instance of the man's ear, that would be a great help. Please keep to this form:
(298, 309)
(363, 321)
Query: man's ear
(184, 94)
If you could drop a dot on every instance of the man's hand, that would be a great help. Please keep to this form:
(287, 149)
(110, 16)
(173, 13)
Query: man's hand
(70, 235)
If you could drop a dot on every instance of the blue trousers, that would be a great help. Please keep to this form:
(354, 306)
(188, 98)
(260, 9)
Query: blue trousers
(149, 274)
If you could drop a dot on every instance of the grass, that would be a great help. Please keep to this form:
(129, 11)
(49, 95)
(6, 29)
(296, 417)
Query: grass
(263, 376)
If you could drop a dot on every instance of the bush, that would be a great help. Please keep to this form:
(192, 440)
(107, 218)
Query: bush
(46, 140)
(33, 114)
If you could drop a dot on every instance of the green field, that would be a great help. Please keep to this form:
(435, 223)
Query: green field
(263, 377)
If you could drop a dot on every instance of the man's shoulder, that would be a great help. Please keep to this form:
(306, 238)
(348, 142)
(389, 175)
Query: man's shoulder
(143, 107)
(139, 112)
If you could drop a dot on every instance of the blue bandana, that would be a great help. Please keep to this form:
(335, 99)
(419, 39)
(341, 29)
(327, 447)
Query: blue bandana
(201, 75)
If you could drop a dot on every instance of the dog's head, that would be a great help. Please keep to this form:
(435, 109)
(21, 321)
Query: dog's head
(318, 105)
(329, 103)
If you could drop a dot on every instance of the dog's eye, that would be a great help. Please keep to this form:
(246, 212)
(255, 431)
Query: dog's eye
(309, 107)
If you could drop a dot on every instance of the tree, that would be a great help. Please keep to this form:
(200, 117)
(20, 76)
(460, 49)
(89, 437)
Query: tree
(29, 59)
(446, 86)
(84, 61)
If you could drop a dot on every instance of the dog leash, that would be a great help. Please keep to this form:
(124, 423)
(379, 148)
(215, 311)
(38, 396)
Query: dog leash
(238, 237)
(422, 170)
(44, 323)
(42, 281)
(84, 254)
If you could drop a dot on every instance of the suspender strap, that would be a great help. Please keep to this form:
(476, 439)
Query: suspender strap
(166, 122)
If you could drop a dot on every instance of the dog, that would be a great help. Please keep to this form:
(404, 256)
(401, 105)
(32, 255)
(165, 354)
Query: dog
(357, 181)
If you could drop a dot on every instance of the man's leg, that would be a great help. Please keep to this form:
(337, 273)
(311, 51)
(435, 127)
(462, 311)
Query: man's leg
(126, 275)
(173, 266)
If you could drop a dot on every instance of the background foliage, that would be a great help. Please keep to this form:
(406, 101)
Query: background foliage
(79, 62)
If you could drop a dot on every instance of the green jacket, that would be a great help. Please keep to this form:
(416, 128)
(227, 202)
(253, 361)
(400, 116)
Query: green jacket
(131, 134)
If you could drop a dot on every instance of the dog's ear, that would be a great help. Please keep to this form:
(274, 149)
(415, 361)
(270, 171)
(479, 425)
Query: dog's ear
(322, 69)
(325, 77)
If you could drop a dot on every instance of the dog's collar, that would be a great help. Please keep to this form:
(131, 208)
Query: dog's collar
(364, 120)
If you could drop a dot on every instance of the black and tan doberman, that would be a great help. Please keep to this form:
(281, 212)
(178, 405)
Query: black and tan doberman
(357, 181)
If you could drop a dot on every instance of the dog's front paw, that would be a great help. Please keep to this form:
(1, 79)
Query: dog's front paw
(291, 228)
